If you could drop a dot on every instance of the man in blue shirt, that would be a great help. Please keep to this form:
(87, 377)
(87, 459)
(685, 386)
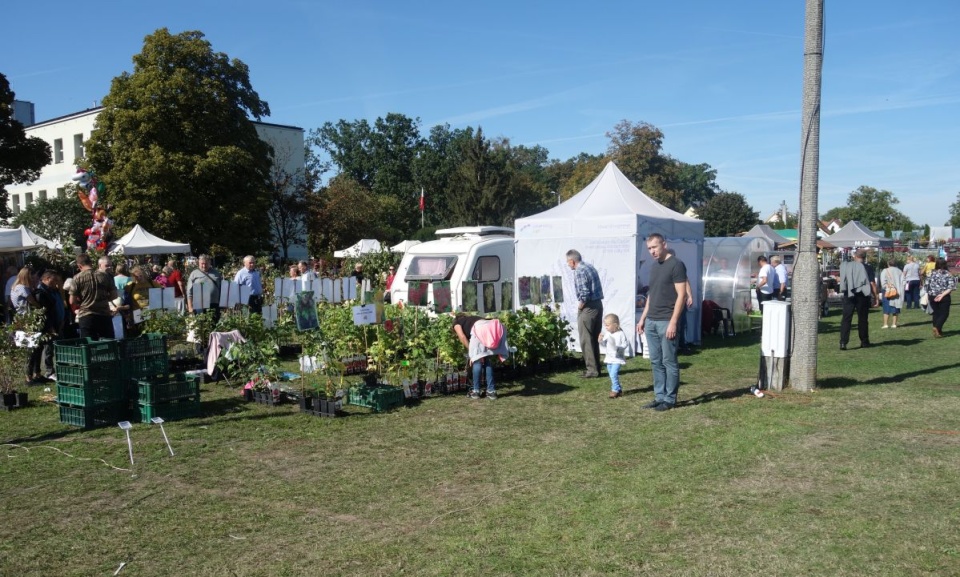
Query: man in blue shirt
(590, 311)
(250, 276)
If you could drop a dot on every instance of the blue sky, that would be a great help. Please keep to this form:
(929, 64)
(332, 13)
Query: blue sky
(722, 80)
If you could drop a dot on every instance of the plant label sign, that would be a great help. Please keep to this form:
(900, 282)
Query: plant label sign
(365, 315)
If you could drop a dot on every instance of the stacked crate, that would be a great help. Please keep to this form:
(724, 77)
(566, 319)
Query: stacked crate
(90, 388)
(144, 357)
(154, 391)
(171, 397)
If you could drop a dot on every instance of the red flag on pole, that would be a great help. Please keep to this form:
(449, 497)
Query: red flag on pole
(421, 199)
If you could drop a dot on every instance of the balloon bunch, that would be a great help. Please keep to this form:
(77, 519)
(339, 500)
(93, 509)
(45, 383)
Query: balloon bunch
(89, 188)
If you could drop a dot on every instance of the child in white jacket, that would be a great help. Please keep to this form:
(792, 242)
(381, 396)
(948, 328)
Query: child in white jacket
(615, 344)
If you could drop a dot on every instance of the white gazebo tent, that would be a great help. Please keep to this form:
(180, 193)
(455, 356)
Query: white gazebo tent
(139, 241)
(363, 246)
(21, 239)
(855, 235)
(404, 246)
(608, 223)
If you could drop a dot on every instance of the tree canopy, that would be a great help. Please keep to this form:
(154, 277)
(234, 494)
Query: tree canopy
(726, 214)
(954, 213)
(21, 157)
(176, 148)
(873, 208)
(62, 218)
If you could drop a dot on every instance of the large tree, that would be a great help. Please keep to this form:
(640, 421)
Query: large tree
(177, 150)
(636, 148)
(62, 219)
(21, 157)
(954, 213)
(726, 214)
(873, 208)
(290, 193)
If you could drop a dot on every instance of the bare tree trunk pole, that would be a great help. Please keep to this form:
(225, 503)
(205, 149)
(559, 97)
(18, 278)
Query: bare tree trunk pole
(806, 273)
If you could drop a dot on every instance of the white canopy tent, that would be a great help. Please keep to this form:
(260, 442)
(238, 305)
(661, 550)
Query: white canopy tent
(608, 223)
(404, 246)
(21, 239)
(139, 241)
(363, 246)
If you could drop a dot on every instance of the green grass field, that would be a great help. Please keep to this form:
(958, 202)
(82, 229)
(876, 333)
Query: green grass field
(860, 477)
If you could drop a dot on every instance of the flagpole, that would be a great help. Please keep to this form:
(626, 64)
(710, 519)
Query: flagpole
(421, 207)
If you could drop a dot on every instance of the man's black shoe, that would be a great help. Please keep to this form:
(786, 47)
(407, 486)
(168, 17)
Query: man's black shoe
(663, 407)
(651, 405)
(843, 346)
(589, 375)
(864, 345)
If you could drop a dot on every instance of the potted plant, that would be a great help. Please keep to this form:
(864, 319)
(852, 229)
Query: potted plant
(16, 341)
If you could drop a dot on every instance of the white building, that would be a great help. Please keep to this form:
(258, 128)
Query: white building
(66, 136)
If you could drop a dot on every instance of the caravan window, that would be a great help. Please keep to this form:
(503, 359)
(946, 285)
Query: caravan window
(432, 268)
(487, 269)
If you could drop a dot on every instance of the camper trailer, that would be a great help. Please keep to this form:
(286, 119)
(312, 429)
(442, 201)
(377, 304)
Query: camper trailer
(471, 262)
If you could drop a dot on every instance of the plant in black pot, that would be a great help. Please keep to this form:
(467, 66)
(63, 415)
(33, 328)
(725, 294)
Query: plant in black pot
(17, 341)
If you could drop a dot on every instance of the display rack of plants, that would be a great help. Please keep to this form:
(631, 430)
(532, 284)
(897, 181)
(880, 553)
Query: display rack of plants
(167, 388)
(171, 410)
(320, 406)
(379, 397)
(14, 400)
(96, 416)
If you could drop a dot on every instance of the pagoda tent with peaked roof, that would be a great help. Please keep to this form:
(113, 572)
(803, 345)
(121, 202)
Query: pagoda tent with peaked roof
(139, 241)
(765, 231)
(608, 223)
(855, 235)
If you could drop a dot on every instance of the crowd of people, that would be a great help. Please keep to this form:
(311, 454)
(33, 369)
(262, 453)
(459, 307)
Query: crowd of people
(88, 303)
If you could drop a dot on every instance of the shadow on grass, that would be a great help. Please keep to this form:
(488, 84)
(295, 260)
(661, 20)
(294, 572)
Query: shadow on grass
(715, 396)
(842, 382)
(46, 436)
(532, 386)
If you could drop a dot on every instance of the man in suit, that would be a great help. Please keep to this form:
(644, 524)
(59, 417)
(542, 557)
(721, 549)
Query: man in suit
(859, 291)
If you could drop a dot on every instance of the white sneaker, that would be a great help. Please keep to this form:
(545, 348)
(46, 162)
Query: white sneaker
(893, 326)
(884, 327)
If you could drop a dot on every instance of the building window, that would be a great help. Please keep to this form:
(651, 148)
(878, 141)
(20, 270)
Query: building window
(42, 195)
(15, 199)
(27, 200)
(61, 192)
(77, 146)
(58, 151)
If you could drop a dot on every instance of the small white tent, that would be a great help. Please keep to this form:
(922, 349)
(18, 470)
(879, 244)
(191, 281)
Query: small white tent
(363, 246)
(22, 238)
(608, 223)
(404, 246)
(139, 241)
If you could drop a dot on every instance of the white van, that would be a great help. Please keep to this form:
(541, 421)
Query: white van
(483, 254)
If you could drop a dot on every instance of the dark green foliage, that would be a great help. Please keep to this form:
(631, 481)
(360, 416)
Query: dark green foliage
(61, 218)
(175, 146)
(727, 214)
(21, 158)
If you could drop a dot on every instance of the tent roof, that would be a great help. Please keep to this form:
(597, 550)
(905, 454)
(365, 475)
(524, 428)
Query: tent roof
(404, 246)
(139, 241)
(363, 246)
(764, 231)
(611, 196)
(22, 238)
(855, 235)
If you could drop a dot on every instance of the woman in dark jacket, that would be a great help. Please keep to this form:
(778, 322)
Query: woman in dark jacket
(939, 284)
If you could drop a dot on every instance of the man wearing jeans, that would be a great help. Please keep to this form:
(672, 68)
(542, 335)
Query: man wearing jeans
(666, 299)
(589, 311)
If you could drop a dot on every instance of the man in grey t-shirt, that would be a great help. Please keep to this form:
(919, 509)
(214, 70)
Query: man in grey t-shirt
(666, 299)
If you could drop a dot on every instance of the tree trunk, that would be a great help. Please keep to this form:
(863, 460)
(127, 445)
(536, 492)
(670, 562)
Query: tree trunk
(806, 273)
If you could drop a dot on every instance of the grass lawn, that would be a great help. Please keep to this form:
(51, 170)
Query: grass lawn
(861, 477)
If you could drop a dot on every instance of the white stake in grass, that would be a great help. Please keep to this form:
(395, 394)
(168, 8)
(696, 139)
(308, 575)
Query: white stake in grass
(126, 426)
(159, 421)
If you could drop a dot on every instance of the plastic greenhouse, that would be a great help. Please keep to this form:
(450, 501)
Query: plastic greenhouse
(729, 268)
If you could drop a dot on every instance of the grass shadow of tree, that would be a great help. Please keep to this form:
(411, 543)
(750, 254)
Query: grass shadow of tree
(715, 396)
(533, 386)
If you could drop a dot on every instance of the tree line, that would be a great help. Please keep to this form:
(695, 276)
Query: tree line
(176, 148)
